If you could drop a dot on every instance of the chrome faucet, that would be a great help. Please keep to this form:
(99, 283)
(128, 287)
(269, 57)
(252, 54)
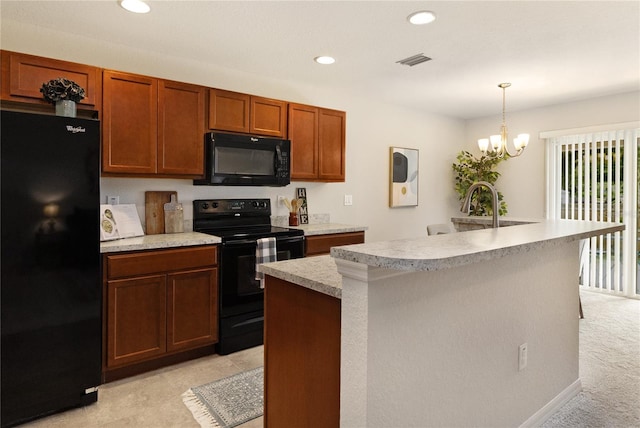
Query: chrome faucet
(466, 205)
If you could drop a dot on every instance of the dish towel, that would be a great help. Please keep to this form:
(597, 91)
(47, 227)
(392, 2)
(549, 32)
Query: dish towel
(265, 253)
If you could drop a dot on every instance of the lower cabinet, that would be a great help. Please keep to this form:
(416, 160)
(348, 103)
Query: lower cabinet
(316, 245)
(158, 304)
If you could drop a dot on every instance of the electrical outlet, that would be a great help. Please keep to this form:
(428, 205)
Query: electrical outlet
(522, 356)
(281, 199)
(113, 200)
(348, 199)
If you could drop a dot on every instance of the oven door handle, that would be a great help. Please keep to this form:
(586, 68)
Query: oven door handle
(237, 243)
(290, 239)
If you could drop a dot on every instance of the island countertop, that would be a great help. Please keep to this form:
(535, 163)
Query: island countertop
(316, 273)
(456, 249)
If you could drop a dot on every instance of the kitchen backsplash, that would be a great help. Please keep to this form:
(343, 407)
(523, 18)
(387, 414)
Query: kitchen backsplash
(283, 220)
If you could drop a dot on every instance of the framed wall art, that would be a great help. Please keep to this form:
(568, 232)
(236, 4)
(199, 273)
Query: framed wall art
(403, 177)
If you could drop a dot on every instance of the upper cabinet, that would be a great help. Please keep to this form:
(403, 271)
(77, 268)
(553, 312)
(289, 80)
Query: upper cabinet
(247, 114)
(23, 76)
(317, 143)
(152, 126)
(155, 128)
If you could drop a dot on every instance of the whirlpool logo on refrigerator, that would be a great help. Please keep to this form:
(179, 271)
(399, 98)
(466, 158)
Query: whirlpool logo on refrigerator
(76, 129)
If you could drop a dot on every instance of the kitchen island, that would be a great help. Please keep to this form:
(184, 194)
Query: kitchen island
(430, 328)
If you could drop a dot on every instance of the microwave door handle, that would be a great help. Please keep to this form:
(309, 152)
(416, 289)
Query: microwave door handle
(278, 159)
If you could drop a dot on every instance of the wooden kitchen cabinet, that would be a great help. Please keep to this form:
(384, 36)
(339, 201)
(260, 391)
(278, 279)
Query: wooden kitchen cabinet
(152, 127)
(137, 319)
(160, 306)
(316, 245)
(302, 356)
(247, 114)
(23, 76)
(317, 143)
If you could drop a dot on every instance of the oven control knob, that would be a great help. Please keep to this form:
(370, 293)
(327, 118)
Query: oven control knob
(204, 205)
(214, 205)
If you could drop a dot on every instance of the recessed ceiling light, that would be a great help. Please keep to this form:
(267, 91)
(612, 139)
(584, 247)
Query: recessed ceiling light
(136, 6)
(422, 17)
(326, 60)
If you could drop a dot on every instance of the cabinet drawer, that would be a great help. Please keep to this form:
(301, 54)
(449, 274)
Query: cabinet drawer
(321, 244)
(124, 265)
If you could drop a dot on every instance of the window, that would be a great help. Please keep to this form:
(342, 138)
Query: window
(592, 175)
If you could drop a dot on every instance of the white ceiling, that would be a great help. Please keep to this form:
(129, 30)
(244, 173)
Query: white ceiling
(551, 51)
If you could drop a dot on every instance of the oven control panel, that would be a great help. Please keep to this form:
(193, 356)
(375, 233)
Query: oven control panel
(229, 206)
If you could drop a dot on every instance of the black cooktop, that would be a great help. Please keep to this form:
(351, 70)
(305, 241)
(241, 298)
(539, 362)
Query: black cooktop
(237, 219)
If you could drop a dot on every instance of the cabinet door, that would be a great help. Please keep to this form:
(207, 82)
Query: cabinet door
(136, 319)
(192, 311)
(303, 133)
(180, 129)
(23, 76)
(228, 111)
(331, 145)
(321, 244)
(268, 117)
(130, 123)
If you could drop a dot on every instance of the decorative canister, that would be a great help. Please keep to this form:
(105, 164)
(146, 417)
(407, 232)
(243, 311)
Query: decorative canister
(66, 108)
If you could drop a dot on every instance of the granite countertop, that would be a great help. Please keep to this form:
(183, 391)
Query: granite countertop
(316, 273)
(163, 240)
(504, 221)
(170, 240)
(328, 228)
(457, 249)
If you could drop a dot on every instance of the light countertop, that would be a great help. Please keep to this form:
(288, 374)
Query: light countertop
(457, 249)
(433, 252)
(486, 220)
(328, 228)
(162, 240)
(316, 273)
(170, 240)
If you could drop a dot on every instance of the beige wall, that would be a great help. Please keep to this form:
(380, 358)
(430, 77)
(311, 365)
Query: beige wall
(371, 128)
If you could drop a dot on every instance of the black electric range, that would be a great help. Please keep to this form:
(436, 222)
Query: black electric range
(240, 223)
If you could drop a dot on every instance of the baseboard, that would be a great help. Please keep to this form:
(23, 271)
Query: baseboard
(539, 417)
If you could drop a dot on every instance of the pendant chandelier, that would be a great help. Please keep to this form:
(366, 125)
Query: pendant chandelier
(496, 145)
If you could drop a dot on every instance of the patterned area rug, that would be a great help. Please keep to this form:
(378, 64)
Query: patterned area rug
(227, 402)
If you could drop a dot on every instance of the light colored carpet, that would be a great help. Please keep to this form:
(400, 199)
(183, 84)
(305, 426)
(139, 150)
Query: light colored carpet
(609, 366)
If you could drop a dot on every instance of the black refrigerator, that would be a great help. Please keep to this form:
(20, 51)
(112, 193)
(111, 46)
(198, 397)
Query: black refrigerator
(50, 289)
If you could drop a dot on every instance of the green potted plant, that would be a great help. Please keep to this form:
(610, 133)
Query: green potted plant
(64, 94)
(469, 170)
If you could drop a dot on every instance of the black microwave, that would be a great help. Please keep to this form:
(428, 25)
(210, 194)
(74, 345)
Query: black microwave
(243, 160)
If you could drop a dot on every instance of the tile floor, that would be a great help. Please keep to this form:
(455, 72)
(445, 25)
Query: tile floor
(153, 399)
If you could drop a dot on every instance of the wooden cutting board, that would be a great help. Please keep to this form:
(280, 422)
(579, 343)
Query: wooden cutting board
(154, 210)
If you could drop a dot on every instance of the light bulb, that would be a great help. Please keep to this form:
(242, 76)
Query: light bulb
(496, 142)
(524, 139)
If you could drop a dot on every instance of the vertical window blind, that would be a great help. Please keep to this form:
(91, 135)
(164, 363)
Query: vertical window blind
(593, 176)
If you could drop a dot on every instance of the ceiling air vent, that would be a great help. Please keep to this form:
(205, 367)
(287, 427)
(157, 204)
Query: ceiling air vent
(414, 60)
